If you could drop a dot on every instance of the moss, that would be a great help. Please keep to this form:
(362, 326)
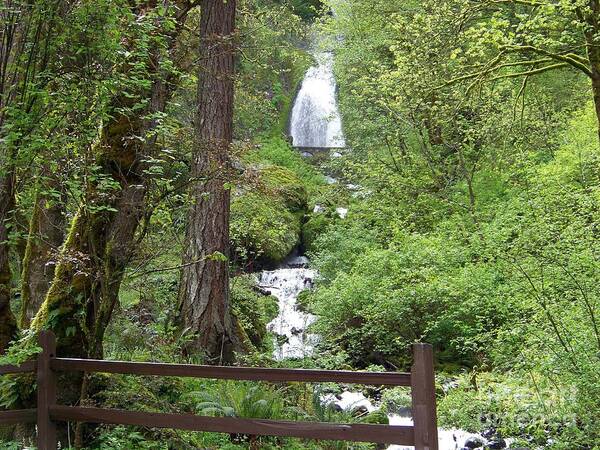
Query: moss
(252, 309)
(277, 151)
(284, 183)
(262, 228)
(58, 287)
(266, 216)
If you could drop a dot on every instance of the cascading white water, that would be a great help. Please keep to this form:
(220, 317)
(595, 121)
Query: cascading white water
(291, 323)
(315, 120)
(448, 439)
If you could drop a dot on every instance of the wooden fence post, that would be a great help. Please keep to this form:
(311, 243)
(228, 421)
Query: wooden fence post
(423, 398)
(46, 393)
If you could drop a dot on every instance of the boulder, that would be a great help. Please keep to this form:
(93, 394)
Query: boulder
(496, 444)
(489, 433)
(474, 442)
(298, 262)
(360, 411)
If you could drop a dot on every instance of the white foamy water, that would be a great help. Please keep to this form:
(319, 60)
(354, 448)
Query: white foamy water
(448, 439)
(349, 401)
(285, 284)
(315, 120)
(451, 439)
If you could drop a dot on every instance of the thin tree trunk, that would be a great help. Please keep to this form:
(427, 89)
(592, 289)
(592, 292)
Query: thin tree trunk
(8, 326)
(596, 93)
(204, 290)
(591, 18)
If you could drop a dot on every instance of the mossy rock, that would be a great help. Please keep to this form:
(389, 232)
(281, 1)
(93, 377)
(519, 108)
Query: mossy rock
(266, 217)
(262, 228)
(283, 183)
(252, 309)
(378, 417)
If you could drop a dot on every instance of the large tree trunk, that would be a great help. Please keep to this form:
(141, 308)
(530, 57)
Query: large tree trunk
(46, 234)
(204, 290)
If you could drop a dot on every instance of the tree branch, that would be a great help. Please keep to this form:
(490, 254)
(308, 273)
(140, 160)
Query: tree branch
(570, 58)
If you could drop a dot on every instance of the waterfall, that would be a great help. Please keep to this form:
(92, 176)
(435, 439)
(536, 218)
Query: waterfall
(291, 323)
(314, 123)
(315, 119)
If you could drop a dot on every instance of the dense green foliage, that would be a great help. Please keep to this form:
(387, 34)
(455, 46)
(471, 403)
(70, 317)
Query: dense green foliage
(471, 179)
(475, 225)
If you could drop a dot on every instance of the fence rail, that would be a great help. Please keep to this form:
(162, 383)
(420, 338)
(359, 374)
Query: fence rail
(422, 435)
(231, 373)
(28, 366)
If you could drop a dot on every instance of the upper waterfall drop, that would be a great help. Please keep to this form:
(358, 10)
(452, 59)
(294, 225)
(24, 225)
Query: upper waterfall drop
(315, 120)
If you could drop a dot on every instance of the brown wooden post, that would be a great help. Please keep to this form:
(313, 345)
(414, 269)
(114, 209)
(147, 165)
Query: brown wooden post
(46, 395)
(423, 398)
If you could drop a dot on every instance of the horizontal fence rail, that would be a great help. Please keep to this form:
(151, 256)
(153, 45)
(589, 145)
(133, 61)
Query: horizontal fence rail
(18, 416)
(28, 366)
(422, 435)
(231, 373)
(383, 434)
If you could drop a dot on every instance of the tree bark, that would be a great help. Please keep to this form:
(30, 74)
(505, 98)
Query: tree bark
(46, 234)
(8, 325)
(204, 290)
(593, 52)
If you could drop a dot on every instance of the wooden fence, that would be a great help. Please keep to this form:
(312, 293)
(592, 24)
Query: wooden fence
(422, 435)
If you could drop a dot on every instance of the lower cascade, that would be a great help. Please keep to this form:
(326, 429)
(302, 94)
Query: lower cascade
(295, 341)
(291, 323)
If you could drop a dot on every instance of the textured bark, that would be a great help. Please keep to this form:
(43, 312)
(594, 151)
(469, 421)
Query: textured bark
(102, 236)
(46, 234)
(593, 52)
(8, 326)
(204, 291)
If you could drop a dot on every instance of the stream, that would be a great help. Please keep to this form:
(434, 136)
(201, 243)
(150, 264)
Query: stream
(291, 323)
(315, 123)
